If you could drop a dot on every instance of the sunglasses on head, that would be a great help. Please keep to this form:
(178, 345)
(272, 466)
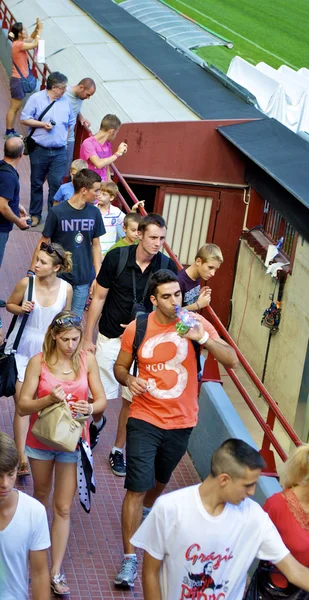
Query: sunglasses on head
(50, 250)
(64, 321)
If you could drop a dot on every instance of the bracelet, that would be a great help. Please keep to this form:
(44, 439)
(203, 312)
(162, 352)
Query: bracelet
(29, 272)
(203, 339)
(90, 409)
(198, 306)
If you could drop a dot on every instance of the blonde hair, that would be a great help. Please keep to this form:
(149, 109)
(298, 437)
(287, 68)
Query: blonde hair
(296, 469)
(50, 344)
(60, 257)
(209, 252)
(110, 187)
(79, 164)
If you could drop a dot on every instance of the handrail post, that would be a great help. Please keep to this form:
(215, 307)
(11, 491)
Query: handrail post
(4, 21)
(210, 371)
(265, 451)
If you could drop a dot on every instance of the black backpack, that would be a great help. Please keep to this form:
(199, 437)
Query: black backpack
(141, 328)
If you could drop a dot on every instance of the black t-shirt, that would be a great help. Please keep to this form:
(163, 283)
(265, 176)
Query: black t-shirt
(119, 302)
(75, 229)
(9, 189)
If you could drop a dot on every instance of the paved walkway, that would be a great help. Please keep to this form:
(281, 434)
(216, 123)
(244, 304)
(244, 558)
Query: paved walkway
(95, 547)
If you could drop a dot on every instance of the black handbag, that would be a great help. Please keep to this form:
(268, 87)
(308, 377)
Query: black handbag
(28, 83)
(8, 369)
(262, 587)
(29, 143)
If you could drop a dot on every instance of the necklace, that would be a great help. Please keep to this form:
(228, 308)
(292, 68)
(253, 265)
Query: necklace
(65, 372)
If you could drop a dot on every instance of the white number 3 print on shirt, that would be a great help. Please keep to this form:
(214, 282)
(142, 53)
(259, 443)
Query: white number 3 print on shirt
(174, 364)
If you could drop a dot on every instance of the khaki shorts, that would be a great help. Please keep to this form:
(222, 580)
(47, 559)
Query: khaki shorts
(107, 350)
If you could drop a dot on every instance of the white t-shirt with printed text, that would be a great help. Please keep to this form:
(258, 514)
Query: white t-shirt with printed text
(111, 220)
(206, 557)
(27, 530)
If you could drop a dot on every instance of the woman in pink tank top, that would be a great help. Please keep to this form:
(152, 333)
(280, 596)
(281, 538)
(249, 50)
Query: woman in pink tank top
(50, 295)
(52, 375)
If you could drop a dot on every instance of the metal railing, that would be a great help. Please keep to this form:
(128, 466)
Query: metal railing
(211, 370)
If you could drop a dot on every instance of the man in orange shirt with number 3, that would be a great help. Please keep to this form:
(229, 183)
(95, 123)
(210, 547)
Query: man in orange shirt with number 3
(164, 408)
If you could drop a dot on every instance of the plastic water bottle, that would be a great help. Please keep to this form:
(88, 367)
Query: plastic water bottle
(186, 322)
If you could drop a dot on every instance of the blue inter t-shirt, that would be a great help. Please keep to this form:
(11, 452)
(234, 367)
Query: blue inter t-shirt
(65, 192)
(75, 229)
(9, 189)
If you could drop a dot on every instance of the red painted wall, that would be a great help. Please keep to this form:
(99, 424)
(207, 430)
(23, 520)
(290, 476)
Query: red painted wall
(184, 150)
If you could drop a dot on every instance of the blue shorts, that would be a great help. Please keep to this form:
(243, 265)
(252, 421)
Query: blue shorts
(56, 455)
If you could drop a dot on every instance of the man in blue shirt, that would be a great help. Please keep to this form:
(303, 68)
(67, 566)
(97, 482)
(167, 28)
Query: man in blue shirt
(10, 209)
(50, 137)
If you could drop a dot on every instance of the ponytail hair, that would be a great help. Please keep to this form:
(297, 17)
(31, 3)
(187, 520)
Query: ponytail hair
(296, 469)
(59, 256)
(15, 30)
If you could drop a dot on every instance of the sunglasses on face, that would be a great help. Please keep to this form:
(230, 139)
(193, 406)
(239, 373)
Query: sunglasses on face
(50, 250)
(65, 321)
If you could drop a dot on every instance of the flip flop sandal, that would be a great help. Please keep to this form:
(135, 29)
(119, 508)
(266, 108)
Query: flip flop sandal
(59, 580)
(23, 470)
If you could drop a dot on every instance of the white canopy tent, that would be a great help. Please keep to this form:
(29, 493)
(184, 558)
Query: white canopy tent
(282, 94)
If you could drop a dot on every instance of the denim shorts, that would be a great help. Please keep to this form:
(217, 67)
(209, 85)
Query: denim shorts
(56, 455)
(16, 88)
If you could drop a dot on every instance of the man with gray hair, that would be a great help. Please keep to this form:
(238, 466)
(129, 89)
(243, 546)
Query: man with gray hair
(11, 212)
(50, 117)
(76, 94)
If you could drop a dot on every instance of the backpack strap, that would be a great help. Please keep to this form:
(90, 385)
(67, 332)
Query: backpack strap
(30, 134)
(140, 332)
(25, 317)
(164, 261)
(23, 78)
(123, 259)
(197, 350)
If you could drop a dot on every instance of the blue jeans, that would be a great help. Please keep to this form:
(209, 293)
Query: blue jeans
(80, 294)
(69, 157)
(4, 236)
(45, 163)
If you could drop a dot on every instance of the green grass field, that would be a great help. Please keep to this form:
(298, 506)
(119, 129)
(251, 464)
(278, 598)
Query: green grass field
(273, 31)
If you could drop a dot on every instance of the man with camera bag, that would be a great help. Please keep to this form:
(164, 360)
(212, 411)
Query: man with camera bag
(50, 117)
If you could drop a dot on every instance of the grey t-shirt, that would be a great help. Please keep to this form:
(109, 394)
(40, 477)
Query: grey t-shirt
(76, 104)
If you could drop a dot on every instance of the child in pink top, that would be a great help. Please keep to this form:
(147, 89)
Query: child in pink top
(97, 149)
